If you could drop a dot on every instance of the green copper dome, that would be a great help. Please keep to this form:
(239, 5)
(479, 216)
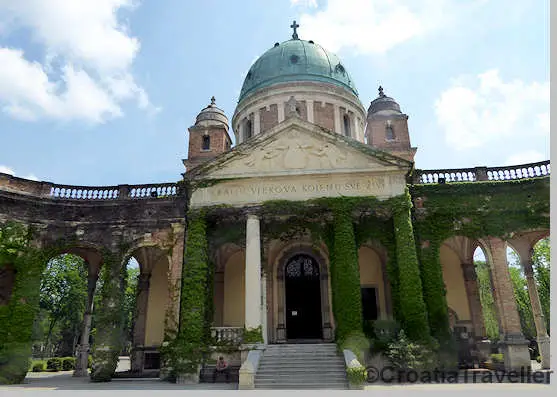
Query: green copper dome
(296, 60)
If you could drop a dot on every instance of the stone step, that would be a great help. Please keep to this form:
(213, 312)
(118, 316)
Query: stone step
(301, 365)
(290, 369)
(302, 378)
(299, 386)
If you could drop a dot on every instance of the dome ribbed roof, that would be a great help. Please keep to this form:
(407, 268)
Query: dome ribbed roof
(383, 105)
(212, 113)
(296, 60)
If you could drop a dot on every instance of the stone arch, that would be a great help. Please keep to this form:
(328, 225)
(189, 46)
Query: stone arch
(277, 323)
(233, 292)
(453, 265)
(372, 258)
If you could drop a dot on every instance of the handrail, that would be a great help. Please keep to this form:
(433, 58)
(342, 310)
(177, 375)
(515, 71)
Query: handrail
(54, 191)
(477, 174)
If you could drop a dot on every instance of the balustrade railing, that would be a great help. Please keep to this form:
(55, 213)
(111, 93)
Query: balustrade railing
(120, 192)
(232, 335)
(532, 170)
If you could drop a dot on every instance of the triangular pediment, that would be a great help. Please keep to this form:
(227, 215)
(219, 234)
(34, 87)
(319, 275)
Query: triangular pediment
(297, 147)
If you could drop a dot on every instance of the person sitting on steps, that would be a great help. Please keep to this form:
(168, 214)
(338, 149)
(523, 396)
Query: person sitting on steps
(221, 367)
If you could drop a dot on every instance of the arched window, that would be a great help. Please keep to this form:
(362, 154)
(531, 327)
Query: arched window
(248, 129)
(389, 132)
(206, 142)
(346, 120)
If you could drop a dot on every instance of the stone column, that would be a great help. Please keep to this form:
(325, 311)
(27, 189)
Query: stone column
(338, 124)
(256, 122)
(82, 359)
(473, 294)
(253, 273)
(515, 346)
(309, 105)
(264, 307)
(140, 323)
(280, 107)
(541, 330)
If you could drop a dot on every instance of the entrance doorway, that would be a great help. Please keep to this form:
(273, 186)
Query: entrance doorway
(303, 298)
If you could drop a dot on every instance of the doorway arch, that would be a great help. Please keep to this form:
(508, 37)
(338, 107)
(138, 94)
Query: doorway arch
(303, 268)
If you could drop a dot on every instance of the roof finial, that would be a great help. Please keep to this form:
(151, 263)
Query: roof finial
(213, 100)
(381, 94)
(294, 26)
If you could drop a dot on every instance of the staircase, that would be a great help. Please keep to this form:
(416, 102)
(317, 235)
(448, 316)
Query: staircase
(301, 366)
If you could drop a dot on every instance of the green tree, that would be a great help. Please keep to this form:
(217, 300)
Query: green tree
(63, 296)
(486, 298)
(130, 298)
(520, 289)
(541, 264)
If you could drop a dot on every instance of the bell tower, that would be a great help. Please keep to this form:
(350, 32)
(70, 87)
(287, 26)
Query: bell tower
(387, 127)
(208, 136)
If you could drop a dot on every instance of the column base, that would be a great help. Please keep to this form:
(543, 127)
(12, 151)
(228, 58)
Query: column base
(543, 347)
(515, 352)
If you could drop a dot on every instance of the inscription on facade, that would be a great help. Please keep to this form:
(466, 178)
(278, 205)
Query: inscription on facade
(259, 190)
(262, 189)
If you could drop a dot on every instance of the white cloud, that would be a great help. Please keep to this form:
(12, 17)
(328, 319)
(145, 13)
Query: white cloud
(377, 26)
(528, 156)
(304, 3)
(7, 170)
(86, 70)
(487, 110)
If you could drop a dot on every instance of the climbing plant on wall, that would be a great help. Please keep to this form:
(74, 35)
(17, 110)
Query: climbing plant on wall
(16, 318)
(185, 352)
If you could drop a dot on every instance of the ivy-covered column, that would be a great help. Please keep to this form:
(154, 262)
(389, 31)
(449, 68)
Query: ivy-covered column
(16, 318)
(434, 290)
(140, 323)
(345, 277)
(184, 354)
(109, 318)
(411, 299)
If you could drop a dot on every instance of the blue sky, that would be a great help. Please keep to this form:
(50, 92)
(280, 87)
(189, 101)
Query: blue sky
(101, 92)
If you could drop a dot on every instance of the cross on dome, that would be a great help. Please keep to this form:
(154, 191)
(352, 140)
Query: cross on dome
(213, 100)
(381, 94)
(294, 26)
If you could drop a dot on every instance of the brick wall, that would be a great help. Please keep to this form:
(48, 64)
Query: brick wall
(324, 116)
(269, 118)
(220, 143)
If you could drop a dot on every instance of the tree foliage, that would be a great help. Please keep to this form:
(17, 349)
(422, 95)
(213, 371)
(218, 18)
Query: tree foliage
(541, 264)
(63, 297)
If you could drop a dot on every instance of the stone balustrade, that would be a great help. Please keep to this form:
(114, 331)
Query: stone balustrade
(232, 335)
(477, 174)
(88, 193)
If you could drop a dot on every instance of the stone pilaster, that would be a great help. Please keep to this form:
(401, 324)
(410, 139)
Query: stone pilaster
(253, 273)
(280, 107)
(264, 307)
(140, 323)
(256, 122)
(309, 105)
(515, 346)
(473, 294)
(541, 330)
(338, 124)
